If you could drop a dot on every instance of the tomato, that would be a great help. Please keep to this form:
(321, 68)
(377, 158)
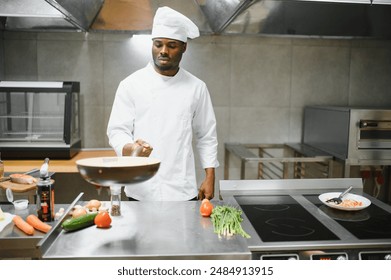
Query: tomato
(103, 220)
(206, 208)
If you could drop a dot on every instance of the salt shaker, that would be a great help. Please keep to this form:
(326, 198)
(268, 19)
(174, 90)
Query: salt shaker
(115, 200)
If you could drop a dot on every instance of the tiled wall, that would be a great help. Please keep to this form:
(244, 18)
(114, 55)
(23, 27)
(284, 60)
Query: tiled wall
(259, 85)
(1, 56)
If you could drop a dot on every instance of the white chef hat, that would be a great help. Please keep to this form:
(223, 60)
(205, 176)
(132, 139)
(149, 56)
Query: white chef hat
(171, 24)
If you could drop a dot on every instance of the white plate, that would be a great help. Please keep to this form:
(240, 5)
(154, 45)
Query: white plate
(7, 219)
(365, 202)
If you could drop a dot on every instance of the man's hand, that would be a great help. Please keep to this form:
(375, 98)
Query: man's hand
(207, 187)
(140, 148)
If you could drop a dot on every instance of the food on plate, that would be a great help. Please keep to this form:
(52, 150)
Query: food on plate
(36, 223)
(78, 212)
(206, 207)
(93, 204)
(350, 203)
(103, 220)
(2, 216)
(73, 224)
(227, 221)
(22, 179)
(23, 225)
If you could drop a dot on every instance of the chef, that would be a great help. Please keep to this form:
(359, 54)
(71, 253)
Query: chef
(159, 110)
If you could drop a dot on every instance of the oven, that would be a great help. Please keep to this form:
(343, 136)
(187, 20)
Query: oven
(286, 220)
(359, 136)
(359, 139)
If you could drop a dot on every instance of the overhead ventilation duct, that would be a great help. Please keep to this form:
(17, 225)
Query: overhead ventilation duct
(320, 18)
(314, 18)
(48, 15)
(220, 13)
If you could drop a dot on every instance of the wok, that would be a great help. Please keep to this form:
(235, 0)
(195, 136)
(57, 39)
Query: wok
(108, 171)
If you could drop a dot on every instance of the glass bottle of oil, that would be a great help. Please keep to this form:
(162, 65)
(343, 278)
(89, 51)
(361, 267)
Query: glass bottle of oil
(45, 194)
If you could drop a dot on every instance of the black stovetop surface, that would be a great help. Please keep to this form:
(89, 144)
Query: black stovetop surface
(370, 223)
(280, 218)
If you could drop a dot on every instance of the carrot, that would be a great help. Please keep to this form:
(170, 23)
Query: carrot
(23, 225)
(36, 223)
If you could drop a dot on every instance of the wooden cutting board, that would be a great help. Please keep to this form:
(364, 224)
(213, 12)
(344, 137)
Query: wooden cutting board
(18, 188)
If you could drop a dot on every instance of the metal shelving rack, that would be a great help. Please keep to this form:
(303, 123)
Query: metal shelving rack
(280, 161)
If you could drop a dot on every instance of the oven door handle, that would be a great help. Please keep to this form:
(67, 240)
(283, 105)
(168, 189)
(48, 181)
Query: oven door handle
(364, 124)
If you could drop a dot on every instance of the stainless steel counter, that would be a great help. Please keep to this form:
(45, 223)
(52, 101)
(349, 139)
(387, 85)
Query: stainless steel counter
(13, 242)
(147, 230)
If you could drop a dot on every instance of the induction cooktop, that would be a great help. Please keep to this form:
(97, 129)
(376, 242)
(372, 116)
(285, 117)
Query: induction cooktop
(281, 218)
(286, 219)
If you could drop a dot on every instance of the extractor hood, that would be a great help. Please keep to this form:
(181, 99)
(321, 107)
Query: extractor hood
(318, 18)
(48, 15)
(321, 18)
(333, 18)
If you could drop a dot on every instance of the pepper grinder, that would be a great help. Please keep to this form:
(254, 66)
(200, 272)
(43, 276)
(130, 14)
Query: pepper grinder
(115, 200)
(45, 194)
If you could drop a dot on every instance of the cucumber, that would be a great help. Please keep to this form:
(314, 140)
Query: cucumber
(84, 221)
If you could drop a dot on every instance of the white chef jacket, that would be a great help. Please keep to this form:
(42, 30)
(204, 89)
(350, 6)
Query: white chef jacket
(165, 112)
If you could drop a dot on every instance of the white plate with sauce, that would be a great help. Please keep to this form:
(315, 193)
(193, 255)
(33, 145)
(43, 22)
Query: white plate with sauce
(326, 196)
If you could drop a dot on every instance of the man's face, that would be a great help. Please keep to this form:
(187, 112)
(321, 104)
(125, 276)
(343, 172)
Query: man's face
(167, 54)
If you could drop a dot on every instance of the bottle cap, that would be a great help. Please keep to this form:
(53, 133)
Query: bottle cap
(44, 171)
